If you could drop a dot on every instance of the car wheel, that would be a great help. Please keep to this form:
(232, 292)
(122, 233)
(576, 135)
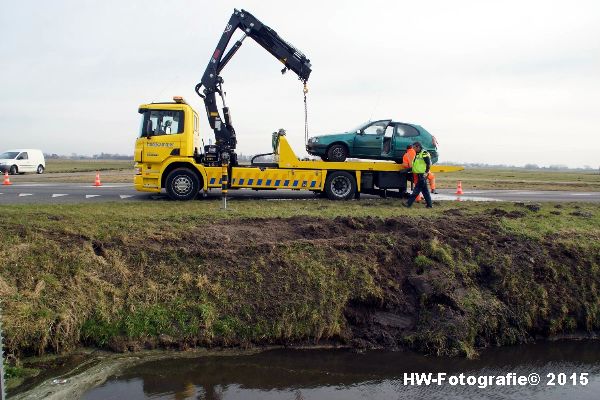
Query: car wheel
(182, 184)
(13, 170)
(40, 169)
(340, 185)
(337, 152)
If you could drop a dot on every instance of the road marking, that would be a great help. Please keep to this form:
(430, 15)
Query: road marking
(448, 197)
(125, 196)
(25, 194)
(572, 194)
(28, 184)
(107, 186)
(59, 195)
(88, 196)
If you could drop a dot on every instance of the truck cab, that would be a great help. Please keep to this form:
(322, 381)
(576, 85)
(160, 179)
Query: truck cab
(167, 131)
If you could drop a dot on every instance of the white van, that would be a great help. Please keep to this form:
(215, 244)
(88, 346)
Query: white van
(19, 161)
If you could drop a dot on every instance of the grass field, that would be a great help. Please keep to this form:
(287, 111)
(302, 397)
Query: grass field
(74, 166)
(483, 178)
(109, 218)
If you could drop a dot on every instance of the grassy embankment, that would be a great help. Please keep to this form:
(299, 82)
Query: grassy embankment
(367, 274)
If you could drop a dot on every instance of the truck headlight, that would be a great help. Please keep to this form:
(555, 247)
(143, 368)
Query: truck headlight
(138, 170)
(313, 140)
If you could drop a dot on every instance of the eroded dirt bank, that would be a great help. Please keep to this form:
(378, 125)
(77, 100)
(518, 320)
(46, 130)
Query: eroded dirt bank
(449, 284)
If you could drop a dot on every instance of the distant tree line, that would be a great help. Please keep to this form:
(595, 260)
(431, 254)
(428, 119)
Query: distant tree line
(532, 167)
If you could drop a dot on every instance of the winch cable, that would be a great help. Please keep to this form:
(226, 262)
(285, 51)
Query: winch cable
(305, 90)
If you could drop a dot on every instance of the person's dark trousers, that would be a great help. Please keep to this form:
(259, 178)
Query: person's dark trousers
(420, 187)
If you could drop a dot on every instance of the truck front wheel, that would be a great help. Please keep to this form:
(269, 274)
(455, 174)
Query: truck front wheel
(182, 184)
(340, 185)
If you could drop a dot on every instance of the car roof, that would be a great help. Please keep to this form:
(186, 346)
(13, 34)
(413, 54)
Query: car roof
(21, 150)
(402, 122)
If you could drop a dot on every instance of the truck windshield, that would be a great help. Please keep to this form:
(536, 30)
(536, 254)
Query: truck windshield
(9, 155)
(161, 122)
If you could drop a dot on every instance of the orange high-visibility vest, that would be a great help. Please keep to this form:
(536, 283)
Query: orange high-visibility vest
(408, 158)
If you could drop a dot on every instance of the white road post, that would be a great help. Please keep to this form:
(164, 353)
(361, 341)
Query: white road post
(2, 383)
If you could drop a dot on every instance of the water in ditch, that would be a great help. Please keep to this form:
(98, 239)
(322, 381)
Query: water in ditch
(565, 369)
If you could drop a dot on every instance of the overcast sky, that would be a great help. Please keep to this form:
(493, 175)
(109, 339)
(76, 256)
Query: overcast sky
(510, 82)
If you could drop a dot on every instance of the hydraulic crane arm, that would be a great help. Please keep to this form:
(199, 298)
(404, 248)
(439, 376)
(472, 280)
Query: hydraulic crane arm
(291, 57)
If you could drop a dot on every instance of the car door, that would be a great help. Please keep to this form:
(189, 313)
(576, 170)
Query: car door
(405, 135)
(23, 162)
(368, 142)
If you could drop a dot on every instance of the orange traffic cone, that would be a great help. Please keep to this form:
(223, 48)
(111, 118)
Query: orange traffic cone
(459, 188)
(6, 179)
(97, 183)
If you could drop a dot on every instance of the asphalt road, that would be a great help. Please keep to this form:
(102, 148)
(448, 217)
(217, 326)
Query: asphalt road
(53, 193)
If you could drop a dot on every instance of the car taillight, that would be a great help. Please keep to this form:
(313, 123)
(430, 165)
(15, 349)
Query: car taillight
(434, 141)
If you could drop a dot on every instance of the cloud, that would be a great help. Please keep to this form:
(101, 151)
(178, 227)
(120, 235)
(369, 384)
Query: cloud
(489, 79)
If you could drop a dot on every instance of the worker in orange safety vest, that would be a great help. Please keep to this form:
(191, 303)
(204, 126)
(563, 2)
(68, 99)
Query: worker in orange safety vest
(407, 162)
(408, 157)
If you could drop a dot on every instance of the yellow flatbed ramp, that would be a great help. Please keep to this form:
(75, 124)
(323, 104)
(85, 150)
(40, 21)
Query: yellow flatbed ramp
(291, 173)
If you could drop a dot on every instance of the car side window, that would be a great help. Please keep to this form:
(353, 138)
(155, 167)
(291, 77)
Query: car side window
(378, 128)
(23, 156)
(406, 130)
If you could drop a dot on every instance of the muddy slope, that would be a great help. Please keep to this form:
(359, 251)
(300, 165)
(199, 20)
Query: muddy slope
(444, 285)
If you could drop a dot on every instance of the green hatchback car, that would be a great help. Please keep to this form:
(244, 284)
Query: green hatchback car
(376, 140)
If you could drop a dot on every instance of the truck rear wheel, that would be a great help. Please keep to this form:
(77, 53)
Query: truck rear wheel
(340, 185)
(182, 184)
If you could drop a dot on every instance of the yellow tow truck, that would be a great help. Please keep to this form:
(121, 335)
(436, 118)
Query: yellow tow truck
(169, 155)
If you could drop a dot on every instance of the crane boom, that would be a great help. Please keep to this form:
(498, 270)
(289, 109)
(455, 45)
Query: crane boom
(292, 59)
